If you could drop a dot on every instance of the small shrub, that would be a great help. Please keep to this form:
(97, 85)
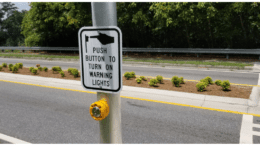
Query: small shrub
(75, 72)
(143, 78)
(1, 68)
(127, 75)
(153, 82)
(56, 68)
(210, 81)
(40, 68)
(10, 66)
(159, 78)
(132, 74)
(20, 65)
(176, 81)
(218, 82)
(62, 73)
(181, 80)
(38, 65)
(225, 85)
(34, 71)
(15, 69)
(45, 69)
(69, 69)
(138, 80)
(4, 64)
(201, 86)
(31, 68)
(205, 81)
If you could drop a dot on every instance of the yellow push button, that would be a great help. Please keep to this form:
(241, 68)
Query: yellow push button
(99, 109)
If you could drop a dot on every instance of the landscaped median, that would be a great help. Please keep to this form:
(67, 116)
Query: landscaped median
(205, 86)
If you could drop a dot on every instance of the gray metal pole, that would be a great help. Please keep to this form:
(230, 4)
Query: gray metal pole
(104, 14)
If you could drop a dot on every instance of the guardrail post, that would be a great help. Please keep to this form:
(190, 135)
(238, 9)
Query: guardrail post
(171, 54)
(12, 50)
(23, 51)
(197, 55)
(4, 50)
(227, 56)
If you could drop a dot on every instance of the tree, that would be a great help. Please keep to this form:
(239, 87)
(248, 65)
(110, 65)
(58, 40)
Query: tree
(55, 23)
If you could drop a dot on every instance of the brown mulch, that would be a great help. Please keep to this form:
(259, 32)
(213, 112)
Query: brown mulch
(190, 87)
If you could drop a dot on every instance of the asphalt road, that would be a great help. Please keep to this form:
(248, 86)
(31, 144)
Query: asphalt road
(44, 115)
(233, 77)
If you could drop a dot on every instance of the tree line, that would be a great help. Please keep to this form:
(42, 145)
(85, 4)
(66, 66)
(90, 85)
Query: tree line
(143, 24)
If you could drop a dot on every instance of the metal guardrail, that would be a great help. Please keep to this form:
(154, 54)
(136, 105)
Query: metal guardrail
(159, 50)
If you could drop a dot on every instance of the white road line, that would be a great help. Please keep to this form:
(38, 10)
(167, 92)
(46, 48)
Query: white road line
(246, 133)
(12, 140)
(256, 133)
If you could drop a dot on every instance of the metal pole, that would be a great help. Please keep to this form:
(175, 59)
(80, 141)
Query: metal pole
(104, 14)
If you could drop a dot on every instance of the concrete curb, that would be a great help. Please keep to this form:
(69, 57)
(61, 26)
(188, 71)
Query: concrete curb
(208, 101)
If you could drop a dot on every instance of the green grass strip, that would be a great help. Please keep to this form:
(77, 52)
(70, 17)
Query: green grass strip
(191, 62)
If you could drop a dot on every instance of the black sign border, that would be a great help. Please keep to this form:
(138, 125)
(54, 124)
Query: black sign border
(119, 56)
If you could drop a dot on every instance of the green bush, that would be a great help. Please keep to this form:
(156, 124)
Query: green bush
(1, 68)
(15, 68)
(225, 85)
(69, 69)
(31, 68)
(132, 74)
(205, 81)
(56, 68)
(4, 64)
(143, 78)
(127, 75)
(10, 66)
(62, 73)
(176, 81)
(75, 72)
(159, 78)
(40, 68)
(210, 81)
(34, 71)
(153, 82)
(201, 86)
(45, 69)
(138, 80)
(181, 80)
(218, 82)
(20, 65)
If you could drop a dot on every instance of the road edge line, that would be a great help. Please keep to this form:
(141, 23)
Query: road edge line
(12, 139)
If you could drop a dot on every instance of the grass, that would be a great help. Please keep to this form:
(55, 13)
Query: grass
(223, 63)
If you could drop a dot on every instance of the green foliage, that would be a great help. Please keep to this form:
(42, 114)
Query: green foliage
(1, 67)
(205, 81)
(31, 68)
(143, 78)
(225, 85)
(176, 81)
(159, 78)
(69, 70)
(210, 81)
(34, 71)
(4, 64)
(10, 66)
(138, 80)
(40, 68)
(20, 65)
(201, 86)
(153, 82)
(53, 23)
(127, 75)
(62, 73)
(56, 68)
(45, 69)
(132, 73)
(15, 68)
(181, 80)
(218, 82)
(75, 72)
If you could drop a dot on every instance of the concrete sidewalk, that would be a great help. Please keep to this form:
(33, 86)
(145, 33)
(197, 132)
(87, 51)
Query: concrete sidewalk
(217, 102)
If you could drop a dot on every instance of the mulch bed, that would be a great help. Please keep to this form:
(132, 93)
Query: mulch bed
(189, 86)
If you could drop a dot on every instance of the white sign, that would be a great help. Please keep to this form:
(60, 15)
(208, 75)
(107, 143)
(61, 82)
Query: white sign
(100, 50)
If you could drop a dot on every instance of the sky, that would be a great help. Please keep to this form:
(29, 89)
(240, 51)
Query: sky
(20, 5)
